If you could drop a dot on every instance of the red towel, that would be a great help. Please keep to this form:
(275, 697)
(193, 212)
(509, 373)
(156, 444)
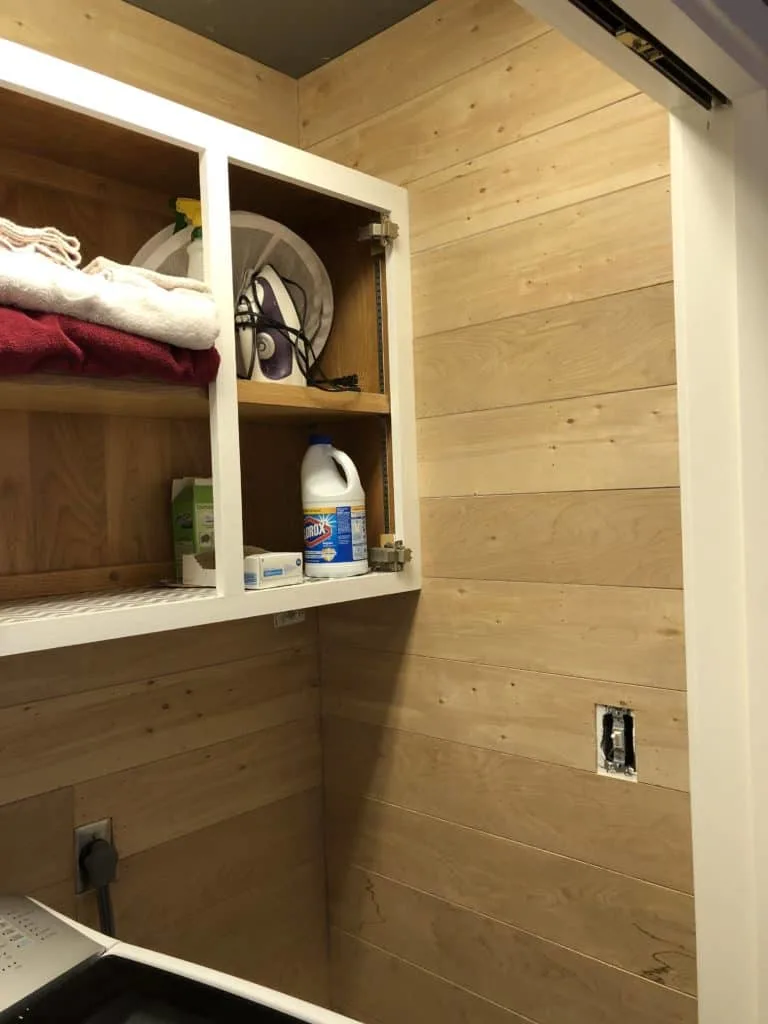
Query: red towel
(49, 343)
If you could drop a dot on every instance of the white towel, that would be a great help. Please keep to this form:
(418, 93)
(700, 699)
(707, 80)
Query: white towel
(49, 242)
(181, 316)
(141, 276)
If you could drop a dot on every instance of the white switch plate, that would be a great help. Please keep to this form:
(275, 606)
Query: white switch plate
(292, 618)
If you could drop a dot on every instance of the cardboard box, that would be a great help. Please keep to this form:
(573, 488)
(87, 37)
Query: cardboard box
(192, 516)
(261, 569)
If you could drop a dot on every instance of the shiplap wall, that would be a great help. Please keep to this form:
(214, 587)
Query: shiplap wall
(479, 867)
(203, 746)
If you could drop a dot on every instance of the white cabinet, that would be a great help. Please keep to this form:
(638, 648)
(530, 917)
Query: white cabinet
(86, 465)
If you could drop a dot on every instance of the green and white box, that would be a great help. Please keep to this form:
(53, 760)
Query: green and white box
(192, 511)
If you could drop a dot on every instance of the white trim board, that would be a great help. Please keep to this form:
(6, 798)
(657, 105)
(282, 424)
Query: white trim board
(719, 174)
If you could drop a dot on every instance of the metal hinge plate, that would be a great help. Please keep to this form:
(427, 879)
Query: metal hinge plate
(380, 233)
(390, 556)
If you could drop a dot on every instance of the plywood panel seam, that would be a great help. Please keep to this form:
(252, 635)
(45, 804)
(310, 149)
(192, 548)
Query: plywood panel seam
(507, 579)
(541, 216)
(425, 970)
(545, 30)
(516, 928)
(514, 842)
(532, 135)
(339, 713)
(541, 309)
(552, 401)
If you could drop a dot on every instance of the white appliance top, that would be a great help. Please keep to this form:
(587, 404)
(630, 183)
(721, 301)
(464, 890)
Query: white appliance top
(36, 948)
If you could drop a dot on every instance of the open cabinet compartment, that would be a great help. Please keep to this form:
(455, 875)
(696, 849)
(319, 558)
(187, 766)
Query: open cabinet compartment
(85, 488)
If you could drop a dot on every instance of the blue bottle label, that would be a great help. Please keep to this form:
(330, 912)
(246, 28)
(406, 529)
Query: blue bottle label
(335, 534)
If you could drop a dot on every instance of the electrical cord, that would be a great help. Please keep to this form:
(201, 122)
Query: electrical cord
(98, 863)
(253, 318)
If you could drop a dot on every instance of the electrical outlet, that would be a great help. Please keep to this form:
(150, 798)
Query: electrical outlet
(85, 834)
(616, 733)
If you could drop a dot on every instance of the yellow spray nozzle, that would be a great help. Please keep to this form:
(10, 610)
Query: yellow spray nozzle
(192, 210)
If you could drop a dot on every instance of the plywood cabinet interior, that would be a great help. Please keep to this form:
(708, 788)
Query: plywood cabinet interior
(84, 503)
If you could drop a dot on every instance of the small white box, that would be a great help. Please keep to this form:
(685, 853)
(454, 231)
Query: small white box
(273, 569)
(261, 569)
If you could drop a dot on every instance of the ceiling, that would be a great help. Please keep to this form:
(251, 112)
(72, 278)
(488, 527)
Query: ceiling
(293, 36)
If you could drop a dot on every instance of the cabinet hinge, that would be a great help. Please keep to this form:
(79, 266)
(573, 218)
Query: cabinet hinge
(391, 555)
(380, 233)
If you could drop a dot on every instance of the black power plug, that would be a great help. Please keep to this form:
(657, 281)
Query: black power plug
(98, 863)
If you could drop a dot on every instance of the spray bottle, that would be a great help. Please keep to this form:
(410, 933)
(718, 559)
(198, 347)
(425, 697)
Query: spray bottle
(189, 214)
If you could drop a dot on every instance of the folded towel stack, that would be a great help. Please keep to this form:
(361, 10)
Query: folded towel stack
(104, 320)
(177, 311)
(49, 242)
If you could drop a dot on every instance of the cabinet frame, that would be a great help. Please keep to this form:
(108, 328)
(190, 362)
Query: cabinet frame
(68, 621)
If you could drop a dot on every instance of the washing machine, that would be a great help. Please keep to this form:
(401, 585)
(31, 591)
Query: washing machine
(53, 969)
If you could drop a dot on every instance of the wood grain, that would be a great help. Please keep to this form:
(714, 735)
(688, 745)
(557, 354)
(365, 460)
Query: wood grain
(67, 455)
(168, 798)
(127, 43)
(612, 538)
(511, 97)
(599, 247)
(615, 343)
(524, 973)
(549, 718)
(83, 581)
(66, 394)
(560, 810)
(17, 552)
(433, 46)
(59, 673)
(603, 151)
(156, 906)
(639, 927)
(383, 989)
(604, 442)
(620, 634)
(83, 736)
(19, 166)
(36, 842)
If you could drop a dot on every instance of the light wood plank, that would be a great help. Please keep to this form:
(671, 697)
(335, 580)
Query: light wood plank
(626, 538)
(83, 736)
(371, 985)
(620, 634)
(541, 980)
(613, 148)
(600, 247)
(165, 799)
(508, 98)
(639, 831)
(614, 343)
(639, 927)
(56, 673)
(259, 400)
(604, 442)
(127, 43)
(36, 842)
(433, 46)
(546, 717)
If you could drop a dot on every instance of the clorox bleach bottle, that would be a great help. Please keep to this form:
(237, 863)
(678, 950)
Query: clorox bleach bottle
(335, 542)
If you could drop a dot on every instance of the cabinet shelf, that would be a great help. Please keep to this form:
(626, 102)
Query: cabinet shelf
(256, 400)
